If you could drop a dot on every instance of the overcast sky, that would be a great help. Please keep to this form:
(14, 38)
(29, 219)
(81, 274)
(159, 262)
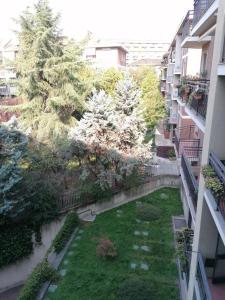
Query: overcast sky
(125, 19)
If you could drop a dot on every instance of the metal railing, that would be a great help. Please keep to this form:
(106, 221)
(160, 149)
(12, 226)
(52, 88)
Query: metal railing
(190, 155)
(219, 169)
(200, 8)
(187, 24)
(201, 278)
(223, 53)
(199, 106)
(182, 143)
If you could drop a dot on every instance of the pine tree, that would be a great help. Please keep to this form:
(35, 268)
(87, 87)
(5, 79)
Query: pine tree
(109, 138)
(14, 197)
(48, 71)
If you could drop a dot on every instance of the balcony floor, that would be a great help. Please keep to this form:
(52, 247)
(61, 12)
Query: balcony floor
(217, 290)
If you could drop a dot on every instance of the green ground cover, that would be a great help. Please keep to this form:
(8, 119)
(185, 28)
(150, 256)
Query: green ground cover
(88, 277)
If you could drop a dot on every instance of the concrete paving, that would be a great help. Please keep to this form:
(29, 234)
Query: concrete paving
(11, 294)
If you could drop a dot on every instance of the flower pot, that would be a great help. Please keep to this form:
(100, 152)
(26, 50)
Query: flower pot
(187, 90)
(166, 134)
(198, 97)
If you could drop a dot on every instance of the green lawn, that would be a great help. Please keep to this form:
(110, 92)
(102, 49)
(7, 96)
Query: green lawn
(90, 278)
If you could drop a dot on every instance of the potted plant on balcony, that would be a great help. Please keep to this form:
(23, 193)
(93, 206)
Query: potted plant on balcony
(212, 182)
(198, 94)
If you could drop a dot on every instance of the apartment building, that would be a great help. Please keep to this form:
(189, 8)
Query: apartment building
(8, 52)
(106, 55)
(193, 83)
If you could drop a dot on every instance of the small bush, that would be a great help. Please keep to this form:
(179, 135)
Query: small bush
(147, 212)
(16, 243)
(215, 185)
(134, 289)
(171, 154)
(42, 272)
(65, 232)
(106, 249)
(207, 171)
(93, 191)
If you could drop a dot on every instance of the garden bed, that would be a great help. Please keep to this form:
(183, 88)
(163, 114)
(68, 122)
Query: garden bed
(145, 252)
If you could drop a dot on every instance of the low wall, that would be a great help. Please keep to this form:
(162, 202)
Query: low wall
(16, 274)
(121, 198)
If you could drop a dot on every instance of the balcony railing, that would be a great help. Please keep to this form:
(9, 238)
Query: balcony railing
(187, 24)
(200, 8)
(223, 53)
(182, 143)
(219, 169)
(199, 106)
(190, 155)
(204, 290)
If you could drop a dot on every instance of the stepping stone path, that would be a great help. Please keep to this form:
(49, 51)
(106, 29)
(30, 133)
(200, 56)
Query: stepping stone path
(163, 196)
(133, 266)
(74, 245)
(145, 248)
(142, 248)
(119, 213)
(66, 262)
(145, 233)
(144, 266)
(80, 231)
(78, 237)
(62, 272)
(52, 288)
(70, 253)
(135, 247)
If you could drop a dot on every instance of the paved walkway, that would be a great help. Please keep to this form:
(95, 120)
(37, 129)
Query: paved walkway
(11, 294)
(166, 167)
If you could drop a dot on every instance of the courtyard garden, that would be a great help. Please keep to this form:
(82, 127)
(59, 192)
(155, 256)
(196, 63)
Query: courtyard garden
(126, 253)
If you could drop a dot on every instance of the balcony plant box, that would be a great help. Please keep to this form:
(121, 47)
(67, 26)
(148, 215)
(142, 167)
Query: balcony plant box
(198, 94)
(166, 134)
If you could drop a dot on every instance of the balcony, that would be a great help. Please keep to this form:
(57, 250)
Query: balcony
(219, 169)
(184, 138)
(190, 164)
(162, 86)
(173, 118)
(200, 8)
(187, 24)
(202, 280)
(221, 66)
(198, 107)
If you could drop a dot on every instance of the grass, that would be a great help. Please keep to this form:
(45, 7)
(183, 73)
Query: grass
(90, 278)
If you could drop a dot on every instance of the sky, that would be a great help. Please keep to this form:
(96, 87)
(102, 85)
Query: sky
(155, 20)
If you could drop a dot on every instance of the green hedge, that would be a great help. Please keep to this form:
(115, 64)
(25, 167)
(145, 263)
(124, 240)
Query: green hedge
(16, 243)
(42, 272)
(65, 232)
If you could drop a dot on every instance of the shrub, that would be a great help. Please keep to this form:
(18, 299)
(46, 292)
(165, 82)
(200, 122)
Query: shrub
(134, 289)
(215, 185)
(93, 191)
(207, 171)
(106, 249)
(16, 243)
(147, 212)
(42, 272)
(171, 154)
(65, 232)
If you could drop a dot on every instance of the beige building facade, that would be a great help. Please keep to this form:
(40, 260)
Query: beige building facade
(196, 93)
